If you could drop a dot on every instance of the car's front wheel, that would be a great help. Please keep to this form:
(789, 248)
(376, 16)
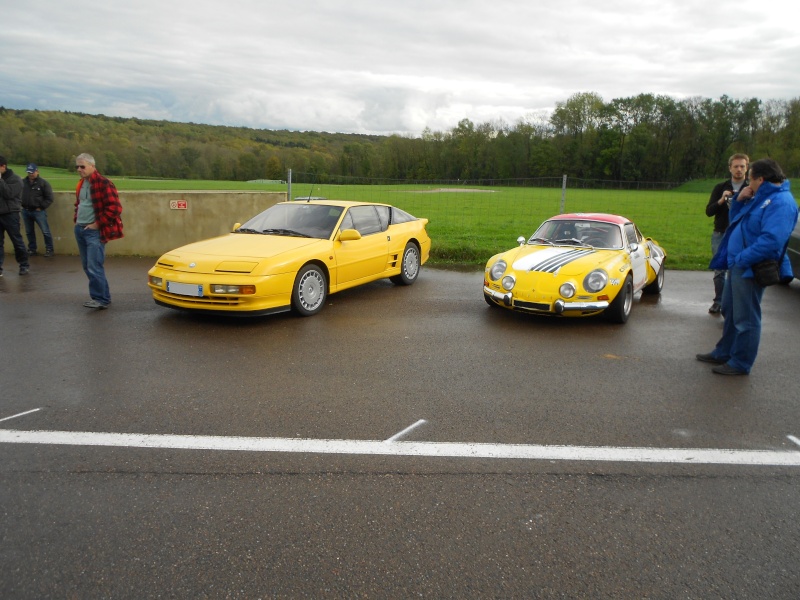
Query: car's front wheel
(620, 309)
(310, 290)
(409, 266)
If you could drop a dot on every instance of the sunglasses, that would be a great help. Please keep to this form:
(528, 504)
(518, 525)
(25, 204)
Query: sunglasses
(80, 166)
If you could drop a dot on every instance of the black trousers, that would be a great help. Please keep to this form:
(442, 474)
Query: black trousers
(9, 224)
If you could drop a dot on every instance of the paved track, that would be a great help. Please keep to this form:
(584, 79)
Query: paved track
(430, 366)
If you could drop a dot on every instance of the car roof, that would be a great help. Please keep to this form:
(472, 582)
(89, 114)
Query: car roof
(605, 217)
(342, 203)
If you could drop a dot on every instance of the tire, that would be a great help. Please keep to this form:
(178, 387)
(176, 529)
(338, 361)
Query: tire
(489, 301)
(409, 266)
(309, 291)
(620, 309)
(657, 285)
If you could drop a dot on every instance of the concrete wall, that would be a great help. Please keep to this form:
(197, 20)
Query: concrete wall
(153, 223)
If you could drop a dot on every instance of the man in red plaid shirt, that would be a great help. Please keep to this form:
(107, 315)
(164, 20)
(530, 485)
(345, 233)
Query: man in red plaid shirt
(97, 221)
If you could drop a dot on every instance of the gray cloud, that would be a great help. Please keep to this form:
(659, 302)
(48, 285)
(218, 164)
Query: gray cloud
(368, 67)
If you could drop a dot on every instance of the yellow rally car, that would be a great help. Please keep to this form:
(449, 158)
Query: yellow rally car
(577, 265)
(291, 256)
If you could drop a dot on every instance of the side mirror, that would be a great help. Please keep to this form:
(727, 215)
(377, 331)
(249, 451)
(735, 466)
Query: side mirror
(349, 235)
(236, 226)
(634, 247)
(521, 241)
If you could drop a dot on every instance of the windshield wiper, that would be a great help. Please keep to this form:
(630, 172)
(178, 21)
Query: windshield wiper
(289, 232)
(543, 240)
(572, 241)
(240, 230)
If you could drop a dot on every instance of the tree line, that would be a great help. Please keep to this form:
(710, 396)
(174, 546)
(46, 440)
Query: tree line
(642, 138)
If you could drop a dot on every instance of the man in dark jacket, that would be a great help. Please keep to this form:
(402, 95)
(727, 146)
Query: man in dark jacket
(717, 207)
(10, 203)
(37, 195)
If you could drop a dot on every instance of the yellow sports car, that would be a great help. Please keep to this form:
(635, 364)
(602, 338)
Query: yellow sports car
(577, 265)
(291, 256)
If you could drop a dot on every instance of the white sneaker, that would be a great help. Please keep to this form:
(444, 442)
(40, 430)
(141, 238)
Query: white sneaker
(95, 304)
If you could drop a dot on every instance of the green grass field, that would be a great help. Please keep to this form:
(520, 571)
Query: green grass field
(468, 224)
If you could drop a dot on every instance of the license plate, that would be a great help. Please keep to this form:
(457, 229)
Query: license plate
(185, 289)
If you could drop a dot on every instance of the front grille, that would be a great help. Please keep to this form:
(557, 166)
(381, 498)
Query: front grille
(205, 301)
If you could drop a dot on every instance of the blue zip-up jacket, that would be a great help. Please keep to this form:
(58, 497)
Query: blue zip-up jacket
(758, 230)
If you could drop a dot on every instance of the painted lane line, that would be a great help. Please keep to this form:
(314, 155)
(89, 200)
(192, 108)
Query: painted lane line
(397, 436)
(22, 414)
(426, 449)
(794, 439)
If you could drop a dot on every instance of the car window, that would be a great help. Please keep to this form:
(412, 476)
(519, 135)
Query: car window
(295, 218)
(347, 222)
(365, 219)
(600, 234)
(401, 216)
(383, 216)
(630, 234)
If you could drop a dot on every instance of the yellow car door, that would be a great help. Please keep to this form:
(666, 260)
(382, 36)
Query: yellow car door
(365, 258)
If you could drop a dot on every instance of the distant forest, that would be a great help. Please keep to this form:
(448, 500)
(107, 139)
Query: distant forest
(642, 138)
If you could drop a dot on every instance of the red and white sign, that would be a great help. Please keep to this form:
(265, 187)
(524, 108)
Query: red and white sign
(179, 204)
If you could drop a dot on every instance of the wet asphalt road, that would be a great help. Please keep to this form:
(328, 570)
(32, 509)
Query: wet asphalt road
(82, 521)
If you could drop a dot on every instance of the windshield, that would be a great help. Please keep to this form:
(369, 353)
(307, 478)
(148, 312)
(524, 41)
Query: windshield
(598, 234)
(298, 219)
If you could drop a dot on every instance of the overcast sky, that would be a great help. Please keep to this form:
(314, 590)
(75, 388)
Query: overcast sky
(385, 66)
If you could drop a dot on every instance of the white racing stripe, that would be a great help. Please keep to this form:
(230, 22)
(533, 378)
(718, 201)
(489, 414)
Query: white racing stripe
(424, 449)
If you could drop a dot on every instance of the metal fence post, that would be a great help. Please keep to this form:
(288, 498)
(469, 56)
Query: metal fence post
(563, 193)
(289, 186)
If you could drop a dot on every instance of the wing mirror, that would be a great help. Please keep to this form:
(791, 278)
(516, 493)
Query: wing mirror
(236, 226)
(521, 241)
(349, 235)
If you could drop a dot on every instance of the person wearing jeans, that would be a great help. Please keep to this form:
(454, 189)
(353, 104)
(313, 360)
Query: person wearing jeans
(10, 207)
(37, 196)
(717, 207)
(97, 221)
(762, 218)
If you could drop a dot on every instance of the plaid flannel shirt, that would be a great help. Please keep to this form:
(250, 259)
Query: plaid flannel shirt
(106, 204)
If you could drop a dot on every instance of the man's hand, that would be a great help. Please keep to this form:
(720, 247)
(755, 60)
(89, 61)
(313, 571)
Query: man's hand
(745, 194)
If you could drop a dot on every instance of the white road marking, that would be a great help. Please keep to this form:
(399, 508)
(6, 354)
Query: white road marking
(794, 439)
(22, 414)
(397, 436)
(429, 449)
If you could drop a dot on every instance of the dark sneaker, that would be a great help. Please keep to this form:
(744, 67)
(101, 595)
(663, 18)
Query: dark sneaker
(49, 254)
(95, 304)
(709, 358)
(33, 253)
(24, 270)
(727, 370)
(715, 308)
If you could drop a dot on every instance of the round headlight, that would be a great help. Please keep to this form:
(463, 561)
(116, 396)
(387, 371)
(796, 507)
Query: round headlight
(567, 290)
(595, 281)
(508, 282)
(497, 270)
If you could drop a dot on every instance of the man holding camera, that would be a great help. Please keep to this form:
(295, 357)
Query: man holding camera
(718, 206)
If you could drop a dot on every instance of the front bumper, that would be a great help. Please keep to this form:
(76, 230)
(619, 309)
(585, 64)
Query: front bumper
(558, 307)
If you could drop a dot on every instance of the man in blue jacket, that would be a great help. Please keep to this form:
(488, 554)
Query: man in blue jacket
(761, 220)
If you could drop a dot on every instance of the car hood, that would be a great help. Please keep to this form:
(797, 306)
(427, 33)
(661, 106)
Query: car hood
(565, 260)
(240, 253)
